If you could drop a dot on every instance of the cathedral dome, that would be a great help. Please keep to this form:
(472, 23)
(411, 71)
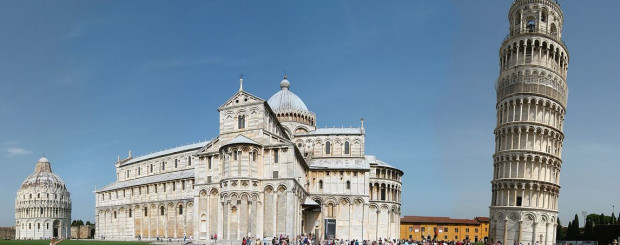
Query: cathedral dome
(285, 100)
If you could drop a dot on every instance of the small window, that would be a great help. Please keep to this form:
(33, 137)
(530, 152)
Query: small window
(162, 210)
(275, 174)
(348, 185)
(115, 214)
(531, 26)
(241, 122)
(476, 230)
(38, 195)
(275, 156)
(174, 186)
(423, 228)
(456, 229)
(176, 163)
(321, 184)
(146, 211)
(236, 155)
(39, 226)
(151, 168)
(180, 209)
(189, 161)
(164, 187)
(163, 166)
(328, 147)
(130, 213)
(138, 170)
(183, 184)
(519, 200)
(208, 179)
(41, 210)
(209, 162)
(346, 148)
(445, 229)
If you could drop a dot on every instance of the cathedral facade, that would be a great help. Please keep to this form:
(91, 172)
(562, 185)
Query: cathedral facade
(531, 104)
(43, 205)
(269, 172)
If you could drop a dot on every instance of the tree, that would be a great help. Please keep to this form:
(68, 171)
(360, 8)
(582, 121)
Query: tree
(77, 223)
(560, 232)
(572, 232)
(88, 223)
(588, 231)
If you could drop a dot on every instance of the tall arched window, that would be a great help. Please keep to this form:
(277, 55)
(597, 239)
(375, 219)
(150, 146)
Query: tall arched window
(161, 210)
(146, 211)
(328, 147)
(531, 25)
(130, 213)
(115, 214)
(180, 209)
(346, 148)
(241, 121)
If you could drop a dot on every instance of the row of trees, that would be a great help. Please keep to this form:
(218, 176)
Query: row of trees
(573, 232)
(79, 222)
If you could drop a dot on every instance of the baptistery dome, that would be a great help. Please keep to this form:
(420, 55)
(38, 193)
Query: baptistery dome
(291, 110)
(42, 205)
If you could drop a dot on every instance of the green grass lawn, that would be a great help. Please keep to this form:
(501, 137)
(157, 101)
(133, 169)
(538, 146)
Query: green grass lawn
(68, 242)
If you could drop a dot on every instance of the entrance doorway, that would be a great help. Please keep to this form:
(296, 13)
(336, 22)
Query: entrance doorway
(330, 229)
(56, 226)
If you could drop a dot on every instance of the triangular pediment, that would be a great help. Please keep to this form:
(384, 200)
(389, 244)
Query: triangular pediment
(239, 99)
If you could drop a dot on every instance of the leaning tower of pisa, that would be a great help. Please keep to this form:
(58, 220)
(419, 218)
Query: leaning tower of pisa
(531, 103)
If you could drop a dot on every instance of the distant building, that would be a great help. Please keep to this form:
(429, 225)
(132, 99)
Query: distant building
(444, 228)
(269, 172)
(7, 233)
(43, 205)
(83, 232)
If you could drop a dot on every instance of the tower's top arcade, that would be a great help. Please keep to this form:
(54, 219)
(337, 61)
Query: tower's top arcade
(536, 16)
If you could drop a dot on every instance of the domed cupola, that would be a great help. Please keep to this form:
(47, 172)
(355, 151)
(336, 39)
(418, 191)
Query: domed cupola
(290, 108)
(43, 176)
(43, 205)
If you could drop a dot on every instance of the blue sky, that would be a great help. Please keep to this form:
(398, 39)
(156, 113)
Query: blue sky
(85, 81)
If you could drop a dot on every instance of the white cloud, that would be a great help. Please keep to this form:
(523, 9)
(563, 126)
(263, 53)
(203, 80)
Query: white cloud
(16, 151)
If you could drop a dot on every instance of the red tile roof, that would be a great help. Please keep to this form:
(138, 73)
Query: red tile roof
(441, 220)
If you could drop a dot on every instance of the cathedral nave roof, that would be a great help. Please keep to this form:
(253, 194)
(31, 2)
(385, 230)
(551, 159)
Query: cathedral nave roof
(339, 163)
(167, 152)
(183, 174)
(337, 131)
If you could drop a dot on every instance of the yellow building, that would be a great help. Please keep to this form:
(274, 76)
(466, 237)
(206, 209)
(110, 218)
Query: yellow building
(444, 228)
